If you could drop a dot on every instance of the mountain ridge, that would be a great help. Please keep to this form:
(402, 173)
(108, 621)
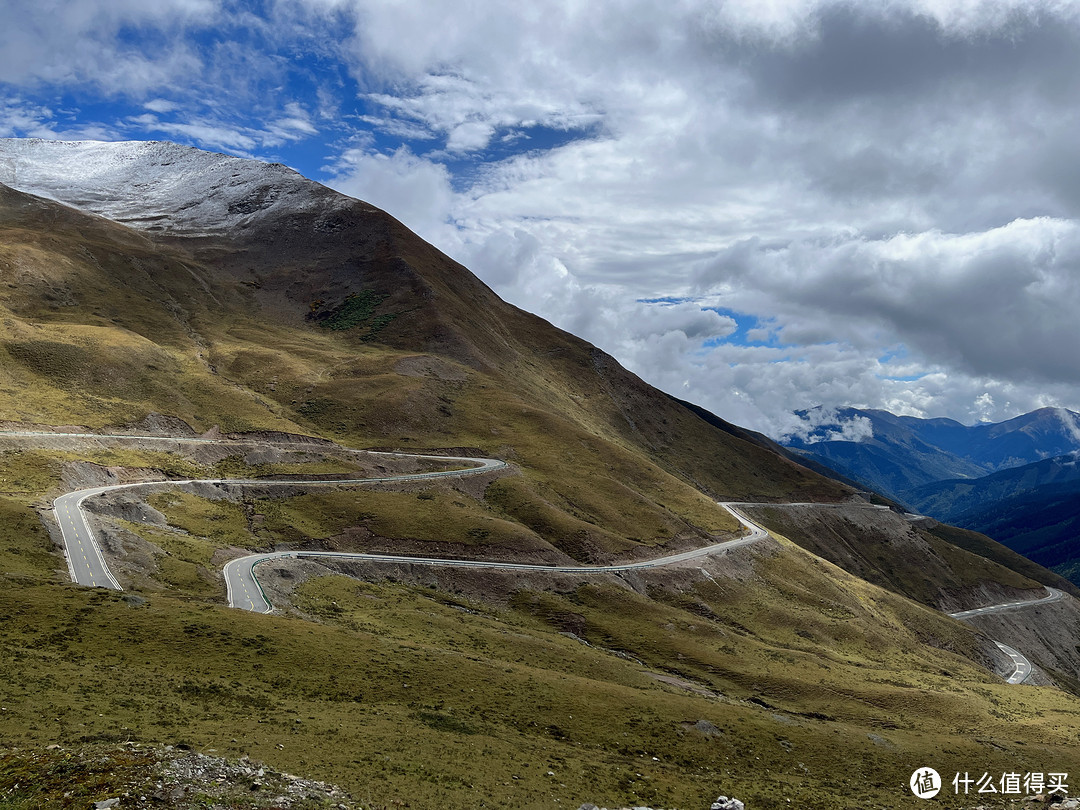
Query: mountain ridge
(904, 452)
(339, 323)
(1016, 478)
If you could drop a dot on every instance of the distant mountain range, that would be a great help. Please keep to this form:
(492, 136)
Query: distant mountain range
(1016, 481)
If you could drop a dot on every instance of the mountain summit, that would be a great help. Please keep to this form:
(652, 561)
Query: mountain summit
(893, 454)
(158, 186)
(151, 287)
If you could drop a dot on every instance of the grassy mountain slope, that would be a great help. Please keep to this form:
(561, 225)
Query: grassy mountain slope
(766, 672)
(780, 677)
(886, 549)
(1041, 524)
(990, 549)
(1031, 509)
(104, 326)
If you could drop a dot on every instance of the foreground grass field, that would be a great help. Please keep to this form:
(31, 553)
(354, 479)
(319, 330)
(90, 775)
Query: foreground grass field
(771, 676)
(405, 694)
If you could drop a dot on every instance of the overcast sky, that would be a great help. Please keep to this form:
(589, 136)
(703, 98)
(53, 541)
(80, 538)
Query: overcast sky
(757, 205)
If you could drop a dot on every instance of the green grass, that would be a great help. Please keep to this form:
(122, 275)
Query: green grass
(235, 467)
(404, 692)
(929, 570)
(218, 523)
(401, 688)
(68, 779)
(25, 548)
(356, 310)
(76, 777)
(507, 517)
(432, 515)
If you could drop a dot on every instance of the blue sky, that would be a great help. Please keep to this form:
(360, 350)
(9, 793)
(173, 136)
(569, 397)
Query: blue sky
(760, 207)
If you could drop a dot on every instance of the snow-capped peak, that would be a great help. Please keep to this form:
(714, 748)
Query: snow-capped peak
(158, 186)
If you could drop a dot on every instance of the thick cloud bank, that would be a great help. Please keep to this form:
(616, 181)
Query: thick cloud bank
(760, 207)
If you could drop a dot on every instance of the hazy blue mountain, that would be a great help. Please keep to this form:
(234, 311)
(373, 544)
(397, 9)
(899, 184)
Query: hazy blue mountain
(888, 454)
(1016, 481)
(1034, 436)
(898, 454)
(953, 499)
(1034, 509)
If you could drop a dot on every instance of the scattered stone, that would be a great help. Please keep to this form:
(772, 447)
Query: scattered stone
(879, 740)
(721, 803)
(159, 776)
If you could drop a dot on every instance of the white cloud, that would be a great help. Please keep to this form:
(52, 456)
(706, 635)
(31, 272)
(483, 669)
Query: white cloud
(294, 125)
(83, 42)
(888, 188)
(18, 117)
(469, 137)
(412, 189)
(161, 105)
(210, 135)
(827, 425)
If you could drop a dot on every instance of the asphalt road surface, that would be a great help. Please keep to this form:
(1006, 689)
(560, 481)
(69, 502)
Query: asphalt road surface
(1022, 666)
(244, 591)
(1052, 595)
(87, 566)
(85, 563)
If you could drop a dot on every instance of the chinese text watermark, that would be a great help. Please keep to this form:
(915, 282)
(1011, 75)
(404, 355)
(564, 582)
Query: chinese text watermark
(927, 783)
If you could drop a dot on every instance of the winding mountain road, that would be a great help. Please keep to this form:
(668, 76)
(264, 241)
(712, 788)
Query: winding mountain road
(1052, 595)
(245, 592)
(1022, 666)
(87, 565)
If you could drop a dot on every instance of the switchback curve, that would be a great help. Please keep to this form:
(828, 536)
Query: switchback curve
(245, 592)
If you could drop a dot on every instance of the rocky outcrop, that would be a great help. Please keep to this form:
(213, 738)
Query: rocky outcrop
(721, 803)
(131, 776)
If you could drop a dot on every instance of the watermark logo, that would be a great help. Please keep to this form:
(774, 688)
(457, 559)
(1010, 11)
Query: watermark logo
(925, 783)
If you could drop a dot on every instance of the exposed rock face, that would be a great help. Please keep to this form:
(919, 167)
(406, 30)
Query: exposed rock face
(136, 777)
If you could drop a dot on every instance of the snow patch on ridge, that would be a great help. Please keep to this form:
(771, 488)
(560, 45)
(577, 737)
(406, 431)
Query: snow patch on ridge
(159, 186)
